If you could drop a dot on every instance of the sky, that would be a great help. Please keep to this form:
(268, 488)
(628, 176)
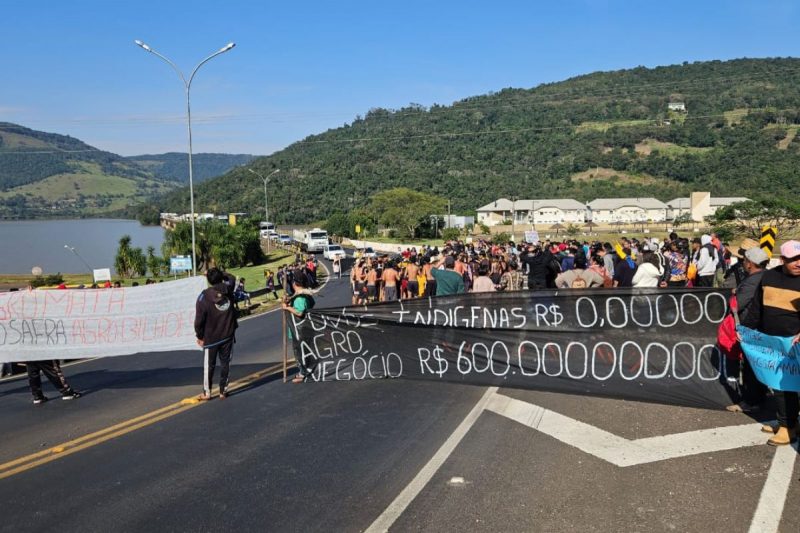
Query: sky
(300, 68)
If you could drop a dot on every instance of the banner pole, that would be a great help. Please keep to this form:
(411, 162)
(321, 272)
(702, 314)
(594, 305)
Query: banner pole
(285, 350)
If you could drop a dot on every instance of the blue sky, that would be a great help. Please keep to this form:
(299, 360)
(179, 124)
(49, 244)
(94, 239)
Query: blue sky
(302, 67)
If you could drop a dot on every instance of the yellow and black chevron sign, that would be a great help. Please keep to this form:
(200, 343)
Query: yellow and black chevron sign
(767, 242)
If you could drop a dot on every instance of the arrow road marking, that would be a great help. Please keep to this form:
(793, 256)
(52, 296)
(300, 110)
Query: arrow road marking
(614, 449)
(620, 451)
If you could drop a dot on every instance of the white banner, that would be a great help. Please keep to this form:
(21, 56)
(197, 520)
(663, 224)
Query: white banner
(78, 323)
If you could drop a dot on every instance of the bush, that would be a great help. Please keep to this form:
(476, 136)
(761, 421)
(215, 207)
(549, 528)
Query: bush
(501, 237)
(451, 234)
(50, 279)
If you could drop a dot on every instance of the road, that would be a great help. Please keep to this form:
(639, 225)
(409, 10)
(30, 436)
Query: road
(354, 455)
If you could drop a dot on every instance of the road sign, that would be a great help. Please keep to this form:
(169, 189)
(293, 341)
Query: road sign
(180, 263)
(767, 242)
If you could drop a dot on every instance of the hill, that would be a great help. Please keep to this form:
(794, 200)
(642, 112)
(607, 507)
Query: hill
(51, 175)
(173, 166)
(736, 137)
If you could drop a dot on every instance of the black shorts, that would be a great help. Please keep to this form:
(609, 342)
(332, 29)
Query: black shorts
(413, 287)
(371, 291)
(359, 286)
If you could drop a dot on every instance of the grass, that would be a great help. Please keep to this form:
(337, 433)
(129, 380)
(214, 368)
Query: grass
(603, 173)
(735, 116)
(605, 125)
(254, 274)
(15, 141)
(89, 181)
(647, 146)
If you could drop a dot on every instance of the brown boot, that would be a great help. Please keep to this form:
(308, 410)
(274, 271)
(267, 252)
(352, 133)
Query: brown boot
(769, 428)
(783, 437)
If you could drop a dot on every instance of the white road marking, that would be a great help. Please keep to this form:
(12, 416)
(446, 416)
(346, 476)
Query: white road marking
(767, 517)
(401, 502)
(614, 449)
(618, 450)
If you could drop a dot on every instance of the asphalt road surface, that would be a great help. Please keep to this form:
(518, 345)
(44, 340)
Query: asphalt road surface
(354, 456)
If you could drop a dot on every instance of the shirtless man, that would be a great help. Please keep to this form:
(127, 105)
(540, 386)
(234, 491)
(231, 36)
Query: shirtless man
(389, 278)
(411, 274)
(372, 279)
(357, 278)
(430, 281)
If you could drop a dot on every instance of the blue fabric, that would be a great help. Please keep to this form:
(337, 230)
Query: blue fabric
(775, 360)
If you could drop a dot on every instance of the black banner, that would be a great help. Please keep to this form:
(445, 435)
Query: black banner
(654, 345)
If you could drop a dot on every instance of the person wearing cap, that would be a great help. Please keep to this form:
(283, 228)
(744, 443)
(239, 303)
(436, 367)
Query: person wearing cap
(737, 270)
(754, 261)
(448, 281)
(777, 313)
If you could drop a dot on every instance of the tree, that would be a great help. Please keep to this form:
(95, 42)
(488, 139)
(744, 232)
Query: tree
(155, 263)
(123, 261)
(405, 209)
(683, 218)
(749, 217)
(573, 230)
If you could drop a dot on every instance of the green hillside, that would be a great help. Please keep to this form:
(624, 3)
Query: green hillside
(173, 166)
(50, 175)
(604, 134)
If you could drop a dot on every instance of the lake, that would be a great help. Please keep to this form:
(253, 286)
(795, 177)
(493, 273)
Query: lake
(28, 243)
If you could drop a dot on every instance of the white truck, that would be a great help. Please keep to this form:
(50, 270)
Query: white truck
(312, 240)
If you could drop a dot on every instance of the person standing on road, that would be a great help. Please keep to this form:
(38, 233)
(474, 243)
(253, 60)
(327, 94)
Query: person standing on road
(52, 370)
(215, 326)
(298, 305)
(337, 268)
(778, 313)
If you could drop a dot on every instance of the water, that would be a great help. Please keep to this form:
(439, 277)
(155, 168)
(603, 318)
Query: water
(28, 243)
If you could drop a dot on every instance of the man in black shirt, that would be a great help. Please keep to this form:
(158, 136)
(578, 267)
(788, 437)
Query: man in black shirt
(215, 324)
(779, 315)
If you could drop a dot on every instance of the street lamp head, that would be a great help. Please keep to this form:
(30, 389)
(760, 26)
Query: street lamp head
(227, 47)
(66, 246)
(141, 44)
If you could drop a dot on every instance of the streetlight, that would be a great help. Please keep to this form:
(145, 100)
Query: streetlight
(266, 211)
(74, 251)
(266, 179)
(188, 85)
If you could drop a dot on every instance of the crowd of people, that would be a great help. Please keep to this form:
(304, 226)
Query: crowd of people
(486, 266)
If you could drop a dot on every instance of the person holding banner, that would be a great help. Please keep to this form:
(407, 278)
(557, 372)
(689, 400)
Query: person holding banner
(52, 370)
(778, 314)
(215, 326)
(298, 305)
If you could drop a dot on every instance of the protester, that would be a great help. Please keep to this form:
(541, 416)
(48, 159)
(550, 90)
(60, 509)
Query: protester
(298, 305)
(677, 264)
(215, 327)
(337, 268)
(752, 391)
(447, 281)
(52, 370)
(483, 282)
(389, 278)
(650, 272)
(578, 277)
(705, 258)
(624, 271)
(240, 294)
(270, 284)
(777, 313)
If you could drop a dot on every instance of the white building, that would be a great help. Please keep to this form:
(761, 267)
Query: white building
(627, 210)
(700, 205)
(456, 221)
(676, 106)
(545, 211)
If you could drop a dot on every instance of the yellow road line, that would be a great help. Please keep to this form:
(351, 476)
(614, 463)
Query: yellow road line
(28, 462)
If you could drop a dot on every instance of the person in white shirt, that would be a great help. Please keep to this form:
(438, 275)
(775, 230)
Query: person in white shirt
(650, 272)
(705, 257)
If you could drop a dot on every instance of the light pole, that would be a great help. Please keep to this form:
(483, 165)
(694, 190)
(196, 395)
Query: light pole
(188, 85)
(265, 179)
(74, 251)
